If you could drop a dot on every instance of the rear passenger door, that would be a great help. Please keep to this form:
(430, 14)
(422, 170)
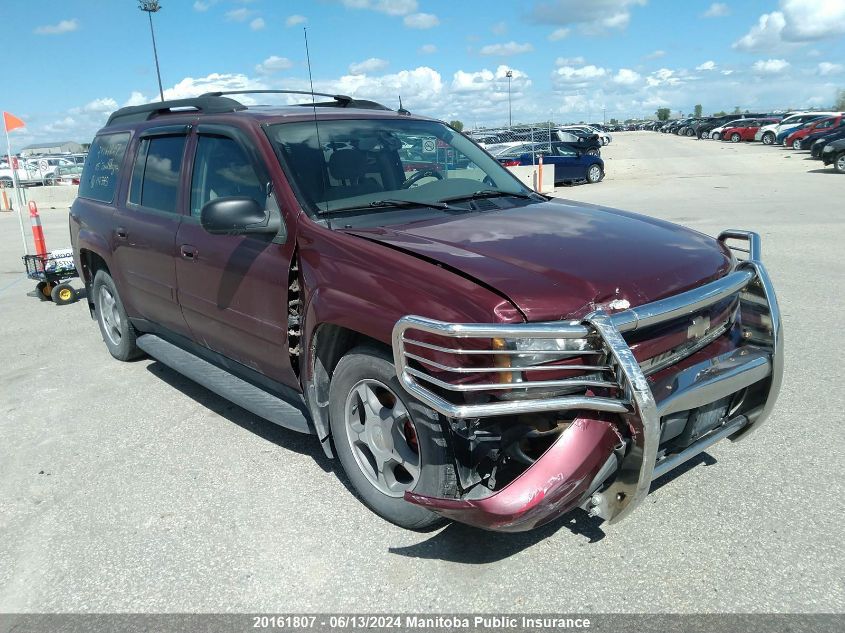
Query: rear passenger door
(233, 288)
(145, 226)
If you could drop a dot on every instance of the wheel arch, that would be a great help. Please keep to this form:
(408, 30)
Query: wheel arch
(90, 262)
(328, 343)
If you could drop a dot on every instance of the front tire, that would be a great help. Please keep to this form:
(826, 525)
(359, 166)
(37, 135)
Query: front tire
(63, 294)
(716, 136)
(735, 137)
(118, 333)
(386, 441)
(768, 138)
(839, 163)
(594, 174)
(796, 144)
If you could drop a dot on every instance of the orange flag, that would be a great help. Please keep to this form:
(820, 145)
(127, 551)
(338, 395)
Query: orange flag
(12, 122)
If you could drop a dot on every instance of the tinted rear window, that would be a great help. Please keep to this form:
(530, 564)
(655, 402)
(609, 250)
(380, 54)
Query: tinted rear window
(102, 167)
(155, 178)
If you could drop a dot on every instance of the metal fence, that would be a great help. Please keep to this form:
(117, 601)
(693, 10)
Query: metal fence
(519, 139)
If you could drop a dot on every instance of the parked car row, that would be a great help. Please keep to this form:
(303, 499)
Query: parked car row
(54, 169)
(822, 133)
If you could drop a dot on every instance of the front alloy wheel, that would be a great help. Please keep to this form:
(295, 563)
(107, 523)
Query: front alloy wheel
(594, 174)
(768, 138)
(387, 442)
(839, 163)
(735, 137)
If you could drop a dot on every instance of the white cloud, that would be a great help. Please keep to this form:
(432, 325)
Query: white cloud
(368, 66)
(717, 10)
(808, 20)
(770, 66)
(106, 104)
(427, 49)
(195, 86)
(828, 68)
(390, 7)
(504, 50)
(239, 15)
(663, 77)
(592, 17)
(257, 24)
(136, 98)
(293, 20)
(797, 22)
(656, 54)
(727, 72)
(559, 34)
(500, 28)
(65, 26)
(765, 35)
(626, 77)
(570, 77)
(273, 64)
(201, 6)
(421, 21)
(569, 61)
(708, 65)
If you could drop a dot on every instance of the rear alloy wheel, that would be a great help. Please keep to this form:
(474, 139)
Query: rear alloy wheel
(118, 333)
(768, 138)
(387, 442)
(594, 174)
(839, 163)
(796, 144)
(735, 137)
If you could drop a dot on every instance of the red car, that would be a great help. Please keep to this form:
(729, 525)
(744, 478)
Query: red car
(794, 139)
(466, 347)
(746, 131)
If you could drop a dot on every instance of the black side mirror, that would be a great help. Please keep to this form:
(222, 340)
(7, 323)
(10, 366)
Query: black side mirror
(238, 215)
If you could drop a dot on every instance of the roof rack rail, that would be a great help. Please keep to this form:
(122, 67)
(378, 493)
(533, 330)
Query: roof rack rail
(207, 104)
(339, 101)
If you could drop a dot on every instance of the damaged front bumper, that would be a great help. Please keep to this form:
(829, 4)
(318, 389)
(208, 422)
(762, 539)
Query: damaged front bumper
(587, 454)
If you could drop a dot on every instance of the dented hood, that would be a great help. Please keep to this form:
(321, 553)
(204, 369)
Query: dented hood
(561, 259)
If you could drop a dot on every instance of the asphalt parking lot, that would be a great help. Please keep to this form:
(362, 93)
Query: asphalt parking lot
(125, 487)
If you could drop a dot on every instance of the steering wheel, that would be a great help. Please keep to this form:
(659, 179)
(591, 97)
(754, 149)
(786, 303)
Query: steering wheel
(425, 173)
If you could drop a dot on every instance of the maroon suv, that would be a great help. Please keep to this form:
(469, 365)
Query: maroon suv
(465, 346)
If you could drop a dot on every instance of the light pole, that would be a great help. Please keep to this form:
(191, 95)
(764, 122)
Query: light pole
(509, 75)
(153, 6)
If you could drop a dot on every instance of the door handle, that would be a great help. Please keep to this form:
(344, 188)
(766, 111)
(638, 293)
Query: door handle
(120, 232)
(188, 251)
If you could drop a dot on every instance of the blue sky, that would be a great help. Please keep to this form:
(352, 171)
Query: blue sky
(77, 60)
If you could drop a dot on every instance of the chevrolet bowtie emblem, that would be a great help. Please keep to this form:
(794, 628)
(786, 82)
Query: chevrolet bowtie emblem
(699, 327)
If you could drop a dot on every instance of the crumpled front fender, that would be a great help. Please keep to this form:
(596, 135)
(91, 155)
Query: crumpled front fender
(557, 482)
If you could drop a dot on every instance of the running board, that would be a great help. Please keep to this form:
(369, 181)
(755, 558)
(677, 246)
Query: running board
(225, 384)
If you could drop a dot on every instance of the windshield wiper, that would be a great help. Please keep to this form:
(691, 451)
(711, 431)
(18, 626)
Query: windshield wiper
(489, 193)
(389, 203)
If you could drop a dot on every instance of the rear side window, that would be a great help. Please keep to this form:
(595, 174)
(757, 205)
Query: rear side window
(102, 167)
(155, 176)
(222, 170)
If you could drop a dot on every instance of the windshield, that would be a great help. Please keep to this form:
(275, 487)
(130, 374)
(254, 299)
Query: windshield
(349, 164)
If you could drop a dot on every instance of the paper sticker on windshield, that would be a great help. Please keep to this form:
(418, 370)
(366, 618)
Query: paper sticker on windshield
(429, 146)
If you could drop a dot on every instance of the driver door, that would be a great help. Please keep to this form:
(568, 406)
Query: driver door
(233, 288)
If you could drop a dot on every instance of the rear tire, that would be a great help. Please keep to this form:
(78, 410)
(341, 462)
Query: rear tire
(118, 333)
(839, 163)
(45, 289)
(716, 136)
(373, 421)
(735, 137)
(594, 174)
(796, 144)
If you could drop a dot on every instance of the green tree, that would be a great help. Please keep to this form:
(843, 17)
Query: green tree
(840, 101)
(737, 110)
(720, 113)
(458, 125)
(698, 110)
(663, 114)
(614, 122)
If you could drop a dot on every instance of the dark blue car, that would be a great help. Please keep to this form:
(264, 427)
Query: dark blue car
(569, 164)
